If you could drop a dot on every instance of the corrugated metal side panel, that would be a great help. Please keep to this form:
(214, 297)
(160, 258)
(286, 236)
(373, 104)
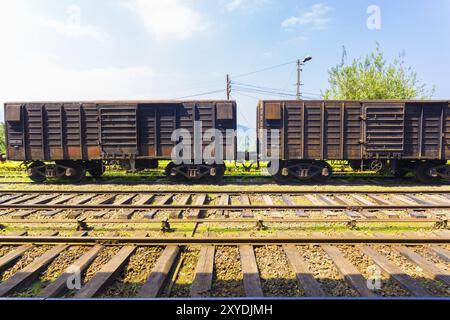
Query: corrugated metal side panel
(71, 132)
(447, 132)
(35, 131)
(332, 131)
(316, 130)
(73, 123)
(54, 132)
(313, 130)
(187, 116)
(147, 124)
(206, 114)
(91, 119)
(432, 131)
(119, 138)
(413, 114)
(294, 116)
(384, 129)
(15, 135)
(352, 131)
(226, 119)
(269, 125)
(57, 131)
(167, 124)
(259, 127)
(322, 130)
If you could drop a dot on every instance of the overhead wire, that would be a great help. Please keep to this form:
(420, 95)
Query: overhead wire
(264, 69)
(268, 92)
(243, 88)
(201, 94)
(262, 88)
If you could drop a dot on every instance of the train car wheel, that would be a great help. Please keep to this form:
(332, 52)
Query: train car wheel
(78, 171)
(278, 176)
(96, 169)
(36, 172)
(216, 173)
(325, 173)
(171, 174)
(422, 173)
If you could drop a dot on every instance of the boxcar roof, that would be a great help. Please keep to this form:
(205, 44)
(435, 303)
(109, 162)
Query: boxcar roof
(364, 101)
(121, 102)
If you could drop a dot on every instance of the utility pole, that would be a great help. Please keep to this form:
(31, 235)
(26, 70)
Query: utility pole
(299, 70)
(301, 63)
(228, 87)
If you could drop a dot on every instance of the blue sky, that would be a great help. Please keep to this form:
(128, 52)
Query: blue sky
(168, 49)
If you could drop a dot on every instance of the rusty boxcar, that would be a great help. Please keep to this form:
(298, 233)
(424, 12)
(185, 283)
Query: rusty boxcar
(396, 136)
(66, 139)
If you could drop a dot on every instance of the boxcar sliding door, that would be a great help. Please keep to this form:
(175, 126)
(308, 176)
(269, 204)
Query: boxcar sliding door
(384, 129)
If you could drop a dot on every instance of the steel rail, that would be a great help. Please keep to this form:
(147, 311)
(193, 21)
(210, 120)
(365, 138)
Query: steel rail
(144, 178)
(182, 241)
(218, 221)
(224, 207)
(237, 192)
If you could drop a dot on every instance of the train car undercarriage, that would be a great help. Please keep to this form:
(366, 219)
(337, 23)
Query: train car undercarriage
(76, 171)
(321, 171)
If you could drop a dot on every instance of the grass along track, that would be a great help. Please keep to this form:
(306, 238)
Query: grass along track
(85, 210)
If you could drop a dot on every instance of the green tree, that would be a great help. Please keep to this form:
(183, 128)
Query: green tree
(2, 139)
(374, 78)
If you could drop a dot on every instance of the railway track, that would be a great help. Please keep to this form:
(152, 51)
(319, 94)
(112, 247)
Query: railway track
(218, 206)
(344, 179)
(351, 265)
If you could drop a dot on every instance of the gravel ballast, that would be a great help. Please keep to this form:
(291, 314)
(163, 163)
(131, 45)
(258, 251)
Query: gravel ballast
(325, 272)
(54, 270)
(5, 250)
(433, 286)
(28, 257)
(135, 273)
(277, 277)
(369, 270)
(228, 277)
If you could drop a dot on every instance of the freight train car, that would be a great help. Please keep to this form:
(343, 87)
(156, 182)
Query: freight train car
(396, 136)
(68, 139)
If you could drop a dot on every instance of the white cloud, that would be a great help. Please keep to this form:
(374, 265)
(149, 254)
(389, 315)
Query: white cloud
(75, 31)
(73, 26)
(37, 78)
(31, 71)
(166, 19)
(248, 5)
(317, 17)
(15, 19)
